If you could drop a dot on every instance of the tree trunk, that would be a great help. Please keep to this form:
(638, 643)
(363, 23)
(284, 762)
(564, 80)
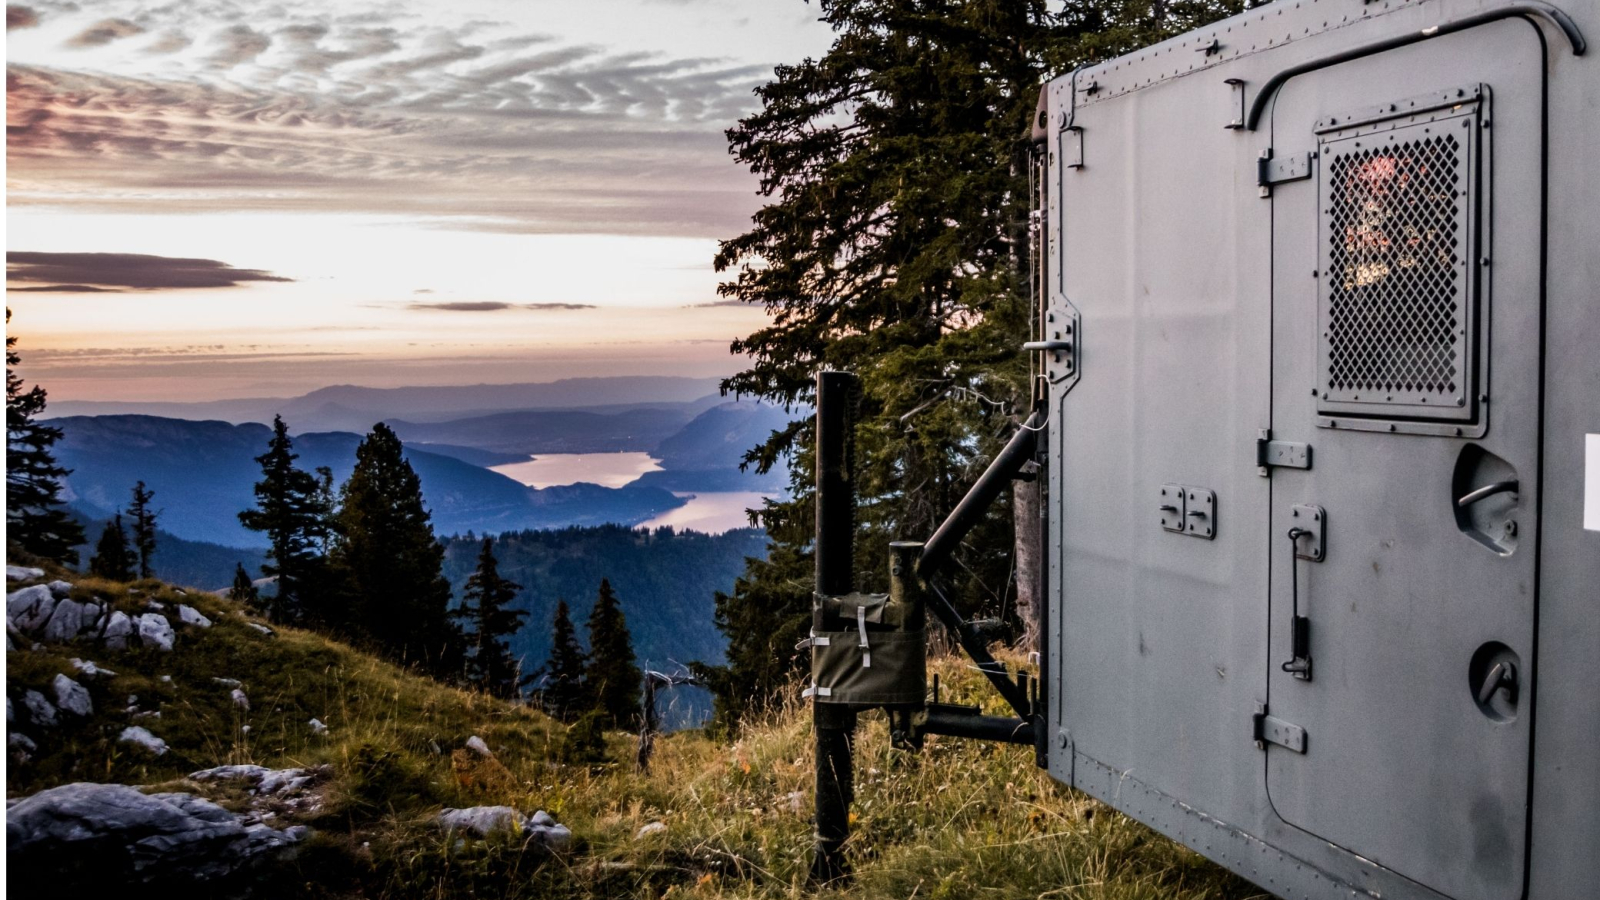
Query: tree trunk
(1029, 557)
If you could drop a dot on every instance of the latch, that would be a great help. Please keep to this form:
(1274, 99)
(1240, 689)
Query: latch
(1271, 171)
(1272, 454)
(1267, 729)
(1072, 147)
(1189, 510)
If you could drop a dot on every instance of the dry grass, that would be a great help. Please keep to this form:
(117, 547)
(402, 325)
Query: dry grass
(962, 819)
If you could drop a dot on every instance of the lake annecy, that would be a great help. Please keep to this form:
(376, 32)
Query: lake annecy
(712, 512)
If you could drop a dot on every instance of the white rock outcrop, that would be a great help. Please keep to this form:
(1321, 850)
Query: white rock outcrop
(23, 573)
(648, 829)
(317, 727)
(142, 737)
(40, 710)
(477, 745)
(155, 631)
(88, 669)
(70, 619)
(188, 615)
(261, 628)
(118, 630)
(31, 607)
(60, 588)
(72, 696)
(167, 838)
(240, 700)
(487, 820)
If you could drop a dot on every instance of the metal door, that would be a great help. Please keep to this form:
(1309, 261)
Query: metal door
(1406, 353)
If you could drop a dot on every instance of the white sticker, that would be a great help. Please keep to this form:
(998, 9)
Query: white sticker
(1591, 482)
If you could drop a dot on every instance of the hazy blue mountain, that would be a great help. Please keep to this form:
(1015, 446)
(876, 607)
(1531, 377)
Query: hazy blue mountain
(553, 431)
(203, 473)
(705, 454)
(353, 408)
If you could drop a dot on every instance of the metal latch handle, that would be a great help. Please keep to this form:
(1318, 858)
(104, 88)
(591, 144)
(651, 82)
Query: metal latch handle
(1046, 346)
(1503, 675)
(1488, 490)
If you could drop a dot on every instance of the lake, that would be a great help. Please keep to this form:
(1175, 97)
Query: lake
(612, 470)
(712, 512)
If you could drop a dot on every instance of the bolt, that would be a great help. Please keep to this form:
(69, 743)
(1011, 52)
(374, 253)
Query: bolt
(1064, 738)
(1511, 528)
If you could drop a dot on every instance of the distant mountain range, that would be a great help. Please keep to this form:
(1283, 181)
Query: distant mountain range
(203, 474)
(352, 408)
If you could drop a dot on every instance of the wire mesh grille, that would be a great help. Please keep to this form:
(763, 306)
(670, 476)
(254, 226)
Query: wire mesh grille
(1395, 282)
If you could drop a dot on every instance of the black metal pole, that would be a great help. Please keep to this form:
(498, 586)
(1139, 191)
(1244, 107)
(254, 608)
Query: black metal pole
(971, 509)
(834, 725)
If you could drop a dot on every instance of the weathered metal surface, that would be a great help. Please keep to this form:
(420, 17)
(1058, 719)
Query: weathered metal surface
(1458, 282)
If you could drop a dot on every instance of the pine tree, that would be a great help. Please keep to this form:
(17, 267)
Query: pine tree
(243, 589)
(563, 693)
(292, 508)
(392, 565)
(491, 665)
(113, 559)
(894, 244)
(36, 516)
(144, 527)
(613, 677)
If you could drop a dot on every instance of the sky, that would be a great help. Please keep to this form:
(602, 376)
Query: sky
(211, 199)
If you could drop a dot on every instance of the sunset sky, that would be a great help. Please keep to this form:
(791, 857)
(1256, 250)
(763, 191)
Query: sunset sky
(215, 199)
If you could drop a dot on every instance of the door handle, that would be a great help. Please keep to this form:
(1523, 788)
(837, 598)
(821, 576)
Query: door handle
(1488, 490)
(1502, 675)
(1046, 346)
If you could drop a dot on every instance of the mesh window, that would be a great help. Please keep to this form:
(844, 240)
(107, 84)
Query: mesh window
(1395, 286)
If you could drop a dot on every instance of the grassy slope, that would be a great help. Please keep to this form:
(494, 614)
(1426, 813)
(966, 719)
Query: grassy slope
(962, 819)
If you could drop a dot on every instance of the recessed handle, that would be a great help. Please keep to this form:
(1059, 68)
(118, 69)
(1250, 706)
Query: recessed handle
(1503, 675)
(1488, 490)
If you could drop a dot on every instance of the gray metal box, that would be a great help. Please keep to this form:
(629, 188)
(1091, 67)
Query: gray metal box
(1331, 269)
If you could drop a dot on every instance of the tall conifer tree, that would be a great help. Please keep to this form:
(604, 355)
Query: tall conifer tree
(894, 244)
(144, 527)
(486, 610)
(113, 559)
(243, 589)
(563, 693)
(36, 516)
(392, 565)
(614, 678)
(292, 508)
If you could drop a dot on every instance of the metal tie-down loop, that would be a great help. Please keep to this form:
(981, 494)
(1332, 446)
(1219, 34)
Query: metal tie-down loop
(861, 625)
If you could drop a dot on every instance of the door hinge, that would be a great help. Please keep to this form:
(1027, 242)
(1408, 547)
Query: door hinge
(1285, 454)
(1271, 171)
(1267, 729)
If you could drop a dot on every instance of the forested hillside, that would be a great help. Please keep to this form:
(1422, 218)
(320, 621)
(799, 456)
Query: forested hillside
(666, 582)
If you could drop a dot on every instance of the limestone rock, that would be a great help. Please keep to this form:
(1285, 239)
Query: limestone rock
(60, 588)
(40, 710)
(648, 829)
(261, 628)
(132, 837)
(72, 696)
(476, 745)
(31, 607)
(21, 744)
(135, 734)
(228, 682)
(23, 573)
(191, 616)
(486, 820)
(117, 631)
(69, 619)
(155, 631)
(90, 670)
(317, 727)
(240, 700)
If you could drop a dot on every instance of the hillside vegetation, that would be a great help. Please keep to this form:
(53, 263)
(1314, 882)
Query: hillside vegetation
(962, 819)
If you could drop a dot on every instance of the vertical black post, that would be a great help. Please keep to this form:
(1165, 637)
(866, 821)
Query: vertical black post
(833, 724)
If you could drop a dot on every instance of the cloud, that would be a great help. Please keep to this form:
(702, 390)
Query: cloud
(21, 17)
(502, 132)
(104, 32)
(238, 44)
(495, 306)
(68, 272)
